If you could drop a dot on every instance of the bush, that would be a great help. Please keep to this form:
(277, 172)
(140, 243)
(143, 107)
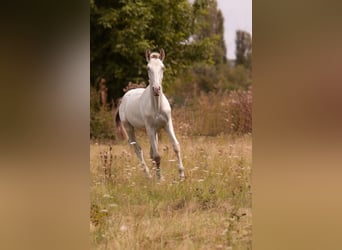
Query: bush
(208, 78)
(101, 120)
(102, 125)
(240, 111)
(213, 114)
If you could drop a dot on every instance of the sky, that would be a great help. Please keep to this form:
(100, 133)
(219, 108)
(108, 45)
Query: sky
(237, 15)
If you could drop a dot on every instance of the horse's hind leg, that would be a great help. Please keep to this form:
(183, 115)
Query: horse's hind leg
(132, 141)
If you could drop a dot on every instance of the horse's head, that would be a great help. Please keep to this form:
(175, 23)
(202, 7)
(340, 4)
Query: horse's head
(155, 68)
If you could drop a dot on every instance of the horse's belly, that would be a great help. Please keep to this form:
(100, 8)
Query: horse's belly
(130, 110)
(136, 121)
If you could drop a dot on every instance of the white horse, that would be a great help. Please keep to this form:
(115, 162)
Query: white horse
(148, 108)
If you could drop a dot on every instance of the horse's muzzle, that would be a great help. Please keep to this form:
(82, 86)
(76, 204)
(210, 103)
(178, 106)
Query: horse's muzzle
(156, 91)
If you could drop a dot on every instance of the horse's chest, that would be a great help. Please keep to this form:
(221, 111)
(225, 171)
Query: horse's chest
(158, 120)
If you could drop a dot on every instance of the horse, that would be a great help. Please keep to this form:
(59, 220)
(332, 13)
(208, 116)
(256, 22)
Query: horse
(149, 108)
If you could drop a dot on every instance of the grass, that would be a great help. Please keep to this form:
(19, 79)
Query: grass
(212, 114)
(211, 209)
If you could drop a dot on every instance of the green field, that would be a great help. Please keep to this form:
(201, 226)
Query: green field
(211, 209)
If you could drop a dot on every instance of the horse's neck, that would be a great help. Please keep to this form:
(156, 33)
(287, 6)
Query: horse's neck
(156, 101)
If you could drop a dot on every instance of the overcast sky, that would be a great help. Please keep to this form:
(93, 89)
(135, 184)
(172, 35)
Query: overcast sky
(237, 15)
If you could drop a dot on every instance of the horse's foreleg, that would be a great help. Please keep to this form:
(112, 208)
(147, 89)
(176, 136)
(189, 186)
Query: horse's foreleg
(152, 134)
(176, 147)
(132, 141)
(151, 150)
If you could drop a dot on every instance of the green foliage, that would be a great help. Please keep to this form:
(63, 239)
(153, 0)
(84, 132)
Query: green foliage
(237, 77)
(209, 78)
(102, 125)
(121, 31)
(213, 74)
(243, 49)
(205, 75)
(94, 100)
(209, 21)
(101, 120)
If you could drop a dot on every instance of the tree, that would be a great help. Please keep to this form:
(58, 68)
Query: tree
(208, 34)
(209, 25)
(121, 31)
(243, 49)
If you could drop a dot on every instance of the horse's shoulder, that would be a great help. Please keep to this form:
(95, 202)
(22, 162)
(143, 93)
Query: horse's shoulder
(165, 102)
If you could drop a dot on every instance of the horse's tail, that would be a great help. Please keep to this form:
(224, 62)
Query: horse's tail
(119, 126)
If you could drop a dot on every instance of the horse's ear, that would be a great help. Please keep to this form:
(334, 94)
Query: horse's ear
(147, 55)
(162, 54)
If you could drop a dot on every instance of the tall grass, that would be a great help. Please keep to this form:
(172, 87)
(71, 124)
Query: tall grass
(211, 209)
(213, 114)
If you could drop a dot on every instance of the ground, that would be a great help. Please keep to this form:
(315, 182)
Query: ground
(211, 209)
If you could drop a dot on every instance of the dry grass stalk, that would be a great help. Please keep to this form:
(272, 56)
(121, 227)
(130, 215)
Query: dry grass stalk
(214, 114)
(107, 158)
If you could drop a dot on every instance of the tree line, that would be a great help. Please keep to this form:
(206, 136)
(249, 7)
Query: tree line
(191, 35)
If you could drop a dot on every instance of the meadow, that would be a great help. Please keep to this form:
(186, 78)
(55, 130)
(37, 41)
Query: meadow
(211, 209)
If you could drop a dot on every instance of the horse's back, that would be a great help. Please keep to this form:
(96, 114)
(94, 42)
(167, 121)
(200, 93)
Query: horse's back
(136, 91)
